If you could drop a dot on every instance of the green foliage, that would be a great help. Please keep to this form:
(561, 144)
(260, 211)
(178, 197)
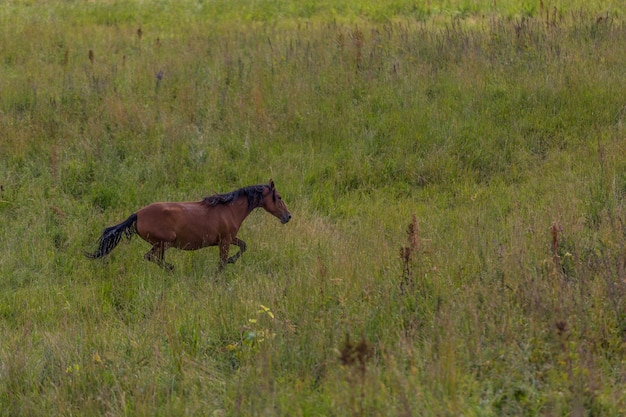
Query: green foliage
(494, 130)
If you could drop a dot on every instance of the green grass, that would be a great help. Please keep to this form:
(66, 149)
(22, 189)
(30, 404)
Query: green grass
(499, 126)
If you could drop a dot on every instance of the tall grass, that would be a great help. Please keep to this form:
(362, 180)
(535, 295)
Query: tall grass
(455, 172)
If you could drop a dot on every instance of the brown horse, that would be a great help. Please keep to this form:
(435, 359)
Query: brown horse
(213, 221)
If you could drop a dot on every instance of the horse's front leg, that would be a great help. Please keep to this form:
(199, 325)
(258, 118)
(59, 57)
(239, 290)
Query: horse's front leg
(224, 247)
(242, 249)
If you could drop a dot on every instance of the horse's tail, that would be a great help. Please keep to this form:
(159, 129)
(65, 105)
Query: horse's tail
(112, 235)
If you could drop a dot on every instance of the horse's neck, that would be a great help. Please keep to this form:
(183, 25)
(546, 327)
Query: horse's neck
(241, 208)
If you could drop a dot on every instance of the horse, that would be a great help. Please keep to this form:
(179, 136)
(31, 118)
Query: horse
(213, 221)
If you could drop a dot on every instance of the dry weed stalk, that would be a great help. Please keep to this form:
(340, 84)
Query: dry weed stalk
(358, 40)
(322, 271)
(139, 36)
(556, 259)
(340, 41)
(54, 166)
(407, 254)
(356, 357)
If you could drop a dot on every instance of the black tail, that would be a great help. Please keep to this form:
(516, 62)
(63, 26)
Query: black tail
(112, 235)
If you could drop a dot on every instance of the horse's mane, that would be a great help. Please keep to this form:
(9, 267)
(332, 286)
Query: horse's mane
(254, 194)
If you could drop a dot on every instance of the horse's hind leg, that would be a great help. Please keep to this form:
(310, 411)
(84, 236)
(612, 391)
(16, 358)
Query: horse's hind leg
(242, 249)
(157, 255)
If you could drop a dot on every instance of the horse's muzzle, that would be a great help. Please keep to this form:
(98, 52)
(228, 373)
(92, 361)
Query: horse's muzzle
(285, 218)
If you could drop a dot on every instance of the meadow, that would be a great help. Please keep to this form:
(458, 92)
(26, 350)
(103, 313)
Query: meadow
(456, 172)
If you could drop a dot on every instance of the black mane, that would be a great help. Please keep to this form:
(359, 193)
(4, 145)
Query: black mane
(254, 194)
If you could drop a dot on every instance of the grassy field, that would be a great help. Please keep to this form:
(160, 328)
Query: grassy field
(456, 171)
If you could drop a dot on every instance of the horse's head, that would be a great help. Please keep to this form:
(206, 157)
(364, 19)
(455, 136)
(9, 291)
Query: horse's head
(274, 204)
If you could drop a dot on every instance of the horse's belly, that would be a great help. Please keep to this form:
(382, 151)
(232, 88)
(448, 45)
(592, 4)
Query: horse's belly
(197, 242)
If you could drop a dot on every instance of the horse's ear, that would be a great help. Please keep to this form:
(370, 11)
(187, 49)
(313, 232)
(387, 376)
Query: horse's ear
(271, 184)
